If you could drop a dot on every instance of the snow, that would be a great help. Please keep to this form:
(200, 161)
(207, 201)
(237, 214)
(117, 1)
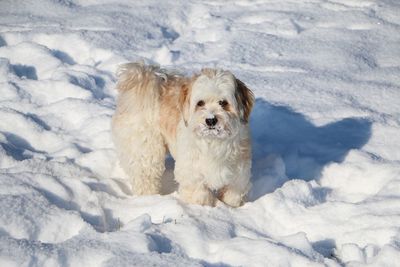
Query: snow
(325, 130)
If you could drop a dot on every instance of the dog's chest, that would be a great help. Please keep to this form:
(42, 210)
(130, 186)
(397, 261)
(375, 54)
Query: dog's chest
(216, 163)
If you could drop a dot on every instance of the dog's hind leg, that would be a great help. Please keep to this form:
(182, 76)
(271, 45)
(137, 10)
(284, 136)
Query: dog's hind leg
(141, 152)
(136, 131)
(148, 165)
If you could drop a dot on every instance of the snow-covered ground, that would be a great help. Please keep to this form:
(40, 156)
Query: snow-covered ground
(326, 133)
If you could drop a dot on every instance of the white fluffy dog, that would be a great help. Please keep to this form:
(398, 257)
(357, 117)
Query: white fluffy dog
(202, 121)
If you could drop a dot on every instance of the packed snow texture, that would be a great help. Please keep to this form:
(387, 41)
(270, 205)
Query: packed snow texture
(325, 130)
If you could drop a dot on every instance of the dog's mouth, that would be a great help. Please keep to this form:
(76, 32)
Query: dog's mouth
(216, 131)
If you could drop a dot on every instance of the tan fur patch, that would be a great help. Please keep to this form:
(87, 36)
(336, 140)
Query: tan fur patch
(174, 97)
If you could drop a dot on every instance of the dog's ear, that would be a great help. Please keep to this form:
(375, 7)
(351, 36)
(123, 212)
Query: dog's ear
(183, 103)
(245, 99)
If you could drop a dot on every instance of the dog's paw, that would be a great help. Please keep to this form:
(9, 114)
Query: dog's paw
(232, 198)
(200, 196)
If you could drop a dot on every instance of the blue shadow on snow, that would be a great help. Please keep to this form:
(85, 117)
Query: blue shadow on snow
(287, 146)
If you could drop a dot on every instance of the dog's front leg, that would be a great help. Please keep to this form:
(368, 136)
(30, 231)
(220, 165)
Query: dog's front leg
(192, 188)
(234, 194)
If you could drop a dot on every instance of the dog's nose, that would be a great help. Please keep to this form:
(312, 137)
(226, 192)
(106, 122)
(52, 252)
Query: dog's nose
(211, 122)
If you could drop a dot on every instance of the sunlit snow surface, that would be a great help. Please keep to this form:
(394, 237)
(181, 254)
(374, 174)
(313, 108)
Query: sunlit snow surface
(325, 127)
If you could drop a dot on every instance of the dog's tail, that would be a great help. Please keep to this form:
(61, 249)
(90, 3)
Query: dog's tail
(140, 84)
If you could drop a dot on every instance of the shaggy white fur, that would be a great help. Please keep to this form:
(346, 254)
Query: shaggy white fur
(202, 121)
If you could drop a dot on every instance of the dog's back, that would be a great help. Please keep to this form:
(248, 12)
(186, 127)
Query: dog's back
(139, 85)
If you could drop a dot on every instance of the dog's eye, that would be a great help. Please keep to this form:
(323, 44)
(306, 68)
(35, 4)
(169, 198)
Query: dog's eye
(200, 103)
(223, 103)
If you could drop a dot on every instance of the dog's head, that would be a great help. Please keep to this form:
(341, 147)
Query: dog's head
(216, 104)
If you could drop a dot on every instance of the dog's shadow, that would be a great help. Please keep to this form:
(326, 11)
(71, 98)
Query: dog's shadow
(168, 185)
(288, 146)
